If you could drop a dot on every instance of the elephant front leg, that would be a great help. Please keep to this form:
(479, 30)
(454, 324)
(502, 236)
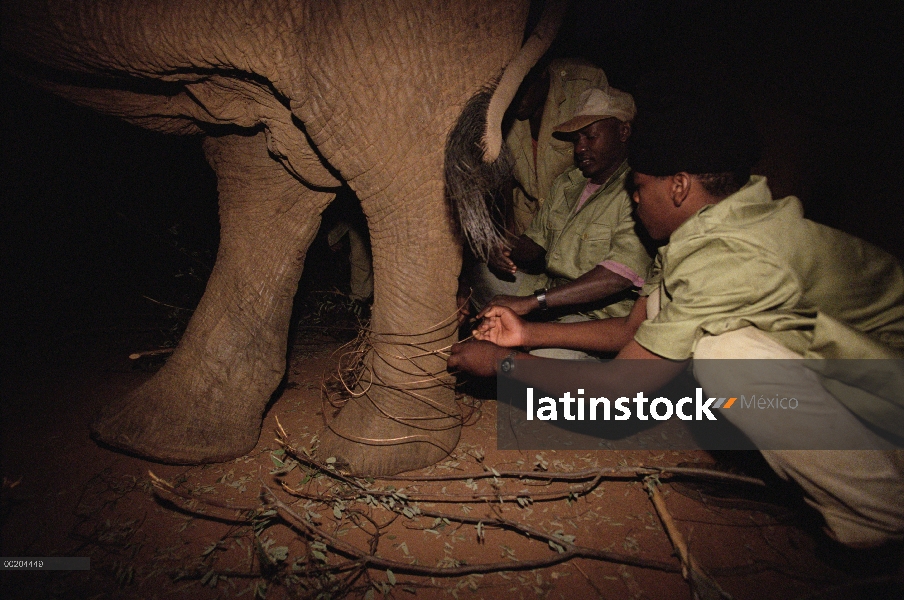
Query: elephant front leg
(403, 415)
(206, 403)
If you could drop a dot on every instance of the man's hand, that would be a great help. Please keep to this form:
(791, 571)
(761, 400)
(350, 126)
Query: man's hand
(521, 305)
(500, 261)
(502, 327)
(477, 358)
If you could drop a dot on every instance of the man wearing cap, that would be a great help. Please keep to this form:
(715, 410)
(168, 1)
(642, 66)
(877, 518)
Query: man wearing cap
(584, 237)
(550, 97)
(746, 276)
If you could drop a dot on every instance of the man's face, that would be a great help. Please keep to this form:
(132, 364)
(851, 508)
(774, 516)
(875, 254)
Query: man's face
(533, 99)
(655, 208)
(600, 147)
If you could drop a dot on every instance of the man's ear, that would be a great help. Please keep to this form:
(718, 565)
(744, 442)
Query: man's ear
(624, 131)
(680, 188)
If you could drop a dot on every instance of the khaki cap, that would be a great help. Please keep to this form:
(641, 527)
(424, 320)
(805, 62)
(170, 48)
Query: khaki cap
(596, 104)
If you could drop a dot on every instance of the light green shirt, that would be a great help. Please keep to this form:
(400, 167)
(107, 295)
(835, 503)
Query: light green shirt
(568, 77)
(575, 242)
(752, 260)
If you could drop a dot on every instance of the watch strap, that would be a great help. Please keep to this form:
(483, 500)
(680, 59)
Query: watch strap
(540, 295)
(508, 363)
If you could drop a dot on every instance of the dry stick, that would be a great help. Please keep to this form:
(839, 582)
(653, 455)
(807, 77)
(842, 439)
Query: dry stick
(702, 585)
(144, 353)
(168, 305)
(627, 472)
(598, 474)
(594, 475)
(598, 591)
(369, 560)
(569, 552)
(580, 551)
(165, 486)
(458, 499)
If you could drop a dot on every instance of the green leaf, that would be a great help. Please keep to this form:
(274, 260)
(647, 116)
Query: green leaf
(279, 553)
(390, 576)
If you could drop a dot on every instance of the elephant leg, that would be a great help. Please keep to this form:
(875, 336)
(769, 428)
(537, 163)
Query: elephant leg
(206, 403)
(404, 415)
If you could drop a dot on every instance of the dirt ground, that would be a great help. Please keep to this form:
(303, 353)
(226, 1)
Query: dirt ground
(63, 495)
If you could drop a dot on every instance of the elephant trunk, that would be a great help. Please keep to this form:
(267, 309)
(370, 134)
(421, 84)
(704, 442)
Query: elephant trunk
(477, 164)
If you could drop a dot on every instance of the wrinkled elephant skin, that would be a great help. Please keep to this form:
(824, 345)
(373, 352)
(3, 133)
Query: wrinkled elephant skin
(291, 97)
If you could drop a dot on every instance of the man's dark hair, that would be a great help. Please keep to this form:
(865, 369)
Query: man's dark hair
(723, 184)
(695, 129)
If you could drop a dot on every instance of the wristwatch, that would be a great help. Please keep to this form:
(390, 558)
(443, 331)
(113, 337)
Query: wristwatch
(508, 363)
(540, 295)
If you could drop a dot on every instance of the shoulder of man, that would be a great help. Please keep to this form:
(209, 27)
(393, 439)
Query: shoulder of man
(569, 69)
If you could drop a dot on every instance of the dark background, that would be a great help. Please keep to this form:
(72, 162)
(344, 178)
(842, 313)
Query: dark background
(97, 213)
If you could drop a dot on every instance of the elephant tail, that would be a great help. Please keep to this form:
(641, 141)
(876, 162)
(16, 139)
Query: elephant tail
(536, 45)
(473, 186)
(478, 166)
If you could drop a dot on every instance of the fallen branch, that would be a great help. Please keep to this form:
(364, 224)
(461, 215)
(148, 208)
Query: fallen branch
(612, 472)
(569, 550)
(703, 587)
(346, 489)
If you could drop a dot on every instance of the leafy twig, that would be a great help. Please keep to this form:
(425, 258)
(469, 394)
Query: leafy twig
(702, 585)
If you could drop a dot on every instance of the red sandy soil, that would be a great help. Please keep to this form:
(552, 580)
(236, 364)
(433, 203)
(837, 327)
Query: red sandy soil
(64, 495)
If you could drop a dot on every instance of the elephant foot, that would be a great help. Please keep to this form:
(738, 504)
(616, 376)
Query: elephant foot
(366, 442)
(166, 425)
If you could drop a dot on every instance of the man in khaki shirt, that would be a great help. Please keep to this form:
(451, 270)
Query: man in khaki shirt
(744, 276)
(581, 252)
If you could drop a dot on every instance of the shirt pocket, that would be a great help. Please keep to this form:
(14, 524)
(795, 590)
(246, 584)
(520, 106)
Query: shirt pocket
(594, 246)
(555, 222)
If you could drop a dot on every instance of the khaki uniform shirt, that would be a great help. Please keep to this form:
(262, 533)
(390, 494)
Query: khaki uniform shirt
(602, 230)
(567, 79)
(752, 260)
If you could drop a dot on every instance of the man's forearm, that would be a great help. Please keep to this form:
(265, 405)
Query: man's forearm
(599, 335)
(592, 286)
(626, 375)
(606, 335)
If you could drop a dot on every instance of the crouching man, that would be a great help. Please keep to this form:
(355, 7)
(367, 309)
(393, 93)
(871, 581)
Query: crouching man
(744, 276)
